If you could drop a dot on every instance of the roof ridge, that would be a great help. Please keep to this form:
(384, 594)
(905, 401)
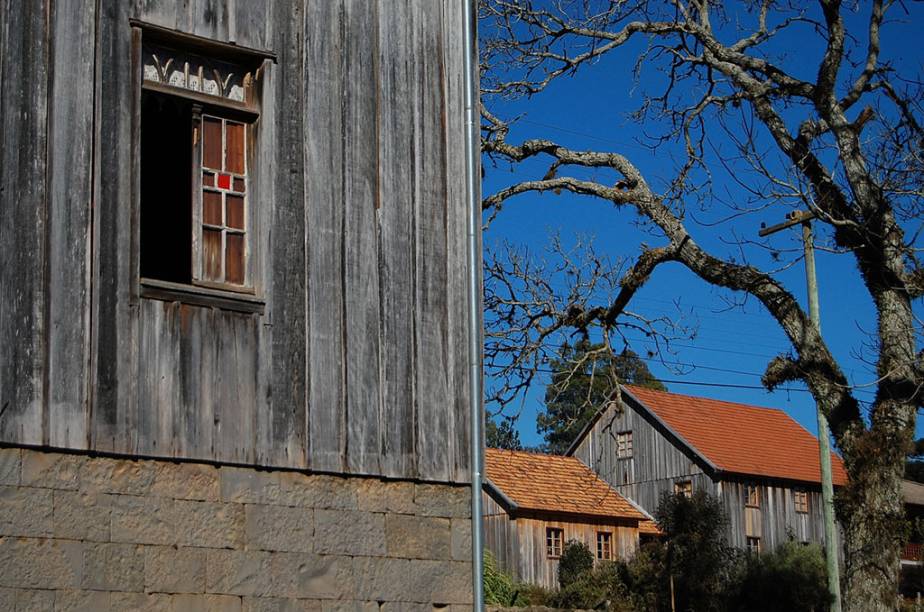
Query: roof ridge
(707, 399)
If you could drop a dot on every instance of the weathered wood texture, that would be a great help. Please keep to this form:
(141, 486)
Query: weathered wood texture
(660, 460)
(775, 521)
(519, 542)
(357, 363)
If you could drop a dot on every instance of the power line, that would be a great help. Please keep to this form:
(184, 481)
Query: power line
(690, 382)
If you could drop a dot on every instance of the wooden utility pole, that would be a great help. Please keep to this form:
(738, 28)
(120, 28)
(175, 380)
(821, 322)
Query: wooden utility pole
(824, 435)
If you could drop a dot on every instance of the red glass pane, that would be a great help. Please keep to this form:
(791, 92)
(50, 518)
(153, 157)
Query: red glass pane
(234, 264)
(211, 207)
(224, 181)
(239, 185)
(208, 179)
(234, 151)
(211, 254)
(211, 143)
(235, 211)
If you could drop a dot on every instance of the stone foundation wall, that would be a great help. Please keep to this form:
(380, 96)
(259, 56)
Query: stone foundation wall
(103, 534)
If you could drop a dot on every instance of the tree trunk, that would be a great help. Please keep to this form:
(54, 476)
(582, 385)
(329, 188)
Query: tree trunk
(872, 512)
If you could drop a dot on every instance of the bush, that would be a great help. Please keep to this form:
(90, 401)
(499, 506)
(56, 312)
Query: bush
(576, 561)
(594, 586)
(499, 588)
(697, 556)
(791, 577)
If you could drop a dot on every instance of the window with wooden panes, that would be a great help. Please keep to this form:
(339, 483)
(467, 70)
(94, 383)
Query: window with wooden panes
(199, 102)
(220, 214)
(684, 487)
(553, 542)
(624, 444)
(753, 545)
(604, 545)
(751, 496)
(800, 500)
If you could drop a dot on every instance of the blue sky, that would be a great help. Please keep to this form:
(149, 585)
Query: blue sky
(732, 347)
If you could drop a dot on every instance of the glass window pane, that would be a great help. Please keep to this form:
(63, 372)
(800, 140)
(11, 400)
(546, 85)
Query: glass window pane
(211, 143)
(235, 214)
(239, 185)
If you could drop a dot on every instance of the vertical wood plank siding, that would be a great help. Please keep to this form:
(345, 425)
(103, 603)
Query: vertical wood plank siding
(656, 463)
(519, 544)
(357, 363)
(24, 61)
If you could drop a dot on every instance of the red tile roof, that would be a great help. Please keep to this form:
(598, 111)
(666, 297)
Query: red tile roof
(742, 439)
(552, 483)
(649, 527)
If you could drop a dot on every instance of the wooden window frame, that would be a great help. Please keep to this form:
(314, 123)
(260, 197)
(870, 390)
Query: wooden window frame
(247, 296)
(751, 501)
(753, 544)
(604, 546)
(624, 448)
(684, 487)
(199, 224)
(800, 500)
(554, 547)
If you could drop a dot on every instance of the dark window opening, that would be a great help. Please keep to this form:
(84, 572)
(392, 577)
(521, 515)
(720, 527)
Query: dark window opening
(166, 194)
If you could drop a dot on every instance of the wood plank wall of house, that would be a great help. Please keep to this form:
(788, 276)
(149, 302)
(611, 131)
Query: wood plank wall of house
(656, 462)
(779, 521)
(534, 564)
(500, 536)
(358, 361)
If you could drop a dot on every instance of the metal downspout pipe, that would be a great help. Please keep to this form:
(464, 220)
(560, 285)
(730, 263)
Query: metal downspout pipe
(473, 197)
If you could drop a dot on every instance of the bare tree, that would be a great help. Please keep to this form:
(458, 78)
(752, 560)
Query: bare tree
(846, 143)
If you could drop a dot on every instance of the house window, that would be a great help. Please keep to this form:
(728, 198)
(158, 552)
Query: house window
(604, 545)
(684, 487)
(221, 228)
(198, 106)
(624, 445)
(751, 496)
(553, 542)
(800, 499)
(753, 545)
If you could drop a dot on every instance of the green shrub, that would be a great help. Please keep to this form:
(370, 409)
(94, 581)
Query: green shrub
(697, 557)
(576, 561)
(595, 586)
(499, 588)
(791, 577)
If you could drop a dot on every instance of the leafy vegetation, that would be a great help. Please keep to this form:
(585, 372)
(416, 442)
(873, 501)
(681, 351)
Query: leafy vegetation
(585, 376)
(576, 560)
(502, 435)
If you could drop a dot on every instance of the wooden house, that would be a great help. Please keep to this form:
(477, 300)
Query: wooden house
(234, 304)
(534, 504)
(911, 583)
(759, 462)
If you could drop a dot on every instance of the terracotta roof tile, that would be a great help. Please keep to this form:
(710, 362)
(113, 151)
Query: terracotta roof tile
(648, 527)
(740, 438)
(551, 483)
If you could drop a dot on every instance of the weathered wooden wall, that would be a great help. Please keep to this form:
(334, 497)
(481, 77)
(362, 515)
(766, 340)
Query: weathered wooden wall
(657, 461)
(778, 520)
(519, 543)
(500, 535)
(358, 362)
